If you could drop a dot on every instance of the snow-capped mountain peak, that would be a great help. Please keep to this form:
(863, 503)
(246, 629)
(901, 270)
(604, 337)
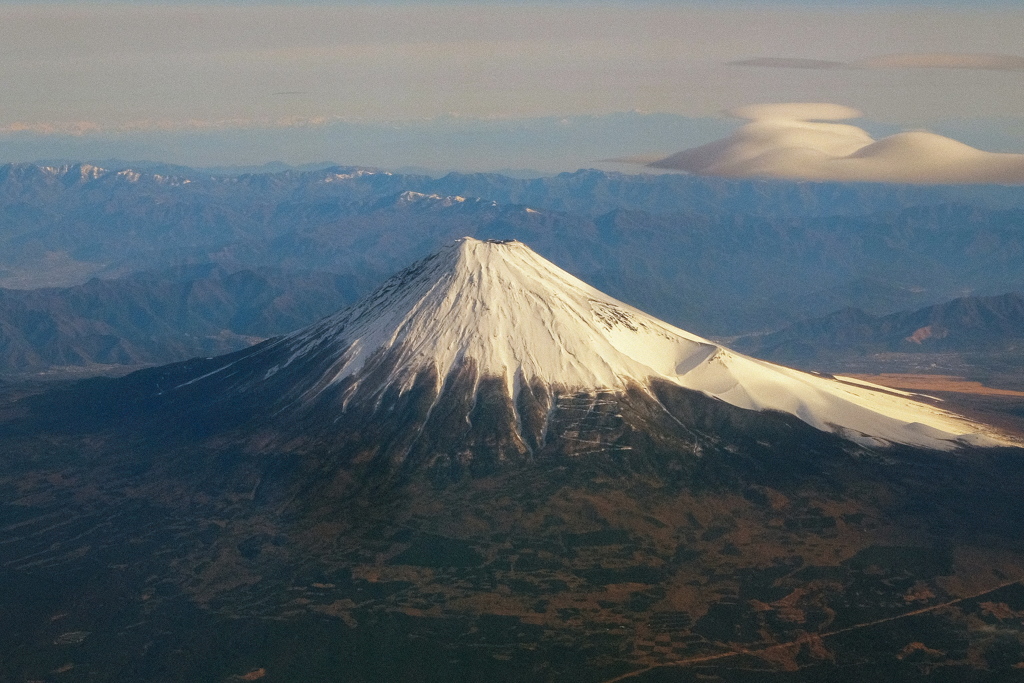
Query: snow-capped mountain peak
(511, 312)
(512, 315)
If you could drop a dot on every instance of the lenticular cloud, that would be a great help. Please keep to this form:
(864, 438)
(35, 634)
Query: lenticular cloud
(799, 141)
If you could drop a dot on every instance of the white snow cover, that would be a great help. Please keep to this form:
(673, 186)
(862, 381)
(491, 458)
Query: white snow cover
(520, 317)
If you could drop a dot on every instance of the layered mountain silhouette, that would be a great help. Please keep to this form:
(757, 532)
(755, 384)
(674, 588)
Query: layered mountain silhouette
(160, 317)
(690, 250)
(967, 324)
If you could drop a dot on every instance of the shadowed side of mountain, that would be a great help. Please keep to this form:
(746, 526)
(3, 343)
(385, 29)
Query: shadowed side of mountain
(340, 444)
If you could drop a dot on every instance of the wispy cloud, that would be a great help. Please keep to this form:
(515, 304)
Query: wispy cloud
(64, 128)
(81, 128)
(945, 61)
(798, 141)
(941, 60)
(790, 63)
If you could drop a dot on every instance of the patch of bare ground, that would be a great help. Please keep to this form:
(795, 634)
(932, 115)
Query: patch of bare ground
(782, 655)
(944, 383)
(1000, 408)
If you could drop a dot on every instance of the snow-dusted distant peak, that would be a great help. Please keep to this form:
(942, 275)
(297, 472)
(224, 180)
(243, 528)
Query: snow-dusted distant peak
(518, 317)
(339, 177)
(85, 173)
(410, 197)
(77, 171)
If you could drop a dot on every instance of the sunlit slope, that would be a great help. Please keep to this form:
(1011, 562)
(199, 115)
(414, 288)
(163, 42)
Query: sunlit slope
(499, 311)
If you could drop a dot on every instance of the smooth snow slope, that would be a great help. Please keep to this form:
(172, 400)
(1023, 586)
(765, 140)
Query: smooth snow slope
(521, 318)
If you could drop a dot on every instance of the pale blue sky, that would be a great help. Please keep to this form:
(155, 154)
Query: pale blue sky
(106, 69)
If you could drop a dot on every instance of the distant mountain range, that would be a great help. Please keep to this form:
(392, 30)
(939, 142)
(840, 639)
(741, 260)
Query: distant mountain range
(967, 324)
(720, 257)
(159, 317)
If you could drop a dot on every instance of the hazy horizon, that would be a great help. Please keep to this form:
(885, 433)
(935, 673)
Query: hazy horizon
(484, 85)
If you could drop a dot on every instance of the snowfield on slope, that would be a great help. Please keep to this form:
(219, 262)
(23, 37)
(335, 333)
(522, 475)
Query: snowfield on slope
(520, 318)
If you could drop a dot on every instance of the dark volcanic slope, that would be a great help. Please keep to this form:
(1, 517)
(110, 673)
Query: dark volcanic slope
(161, 552)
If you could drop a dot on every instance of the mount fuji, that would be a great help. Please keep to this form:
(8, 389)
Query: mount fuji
(486, 352)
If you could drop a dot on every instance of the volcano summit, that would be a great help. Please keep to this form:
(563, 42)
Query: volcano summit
(492, 323)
